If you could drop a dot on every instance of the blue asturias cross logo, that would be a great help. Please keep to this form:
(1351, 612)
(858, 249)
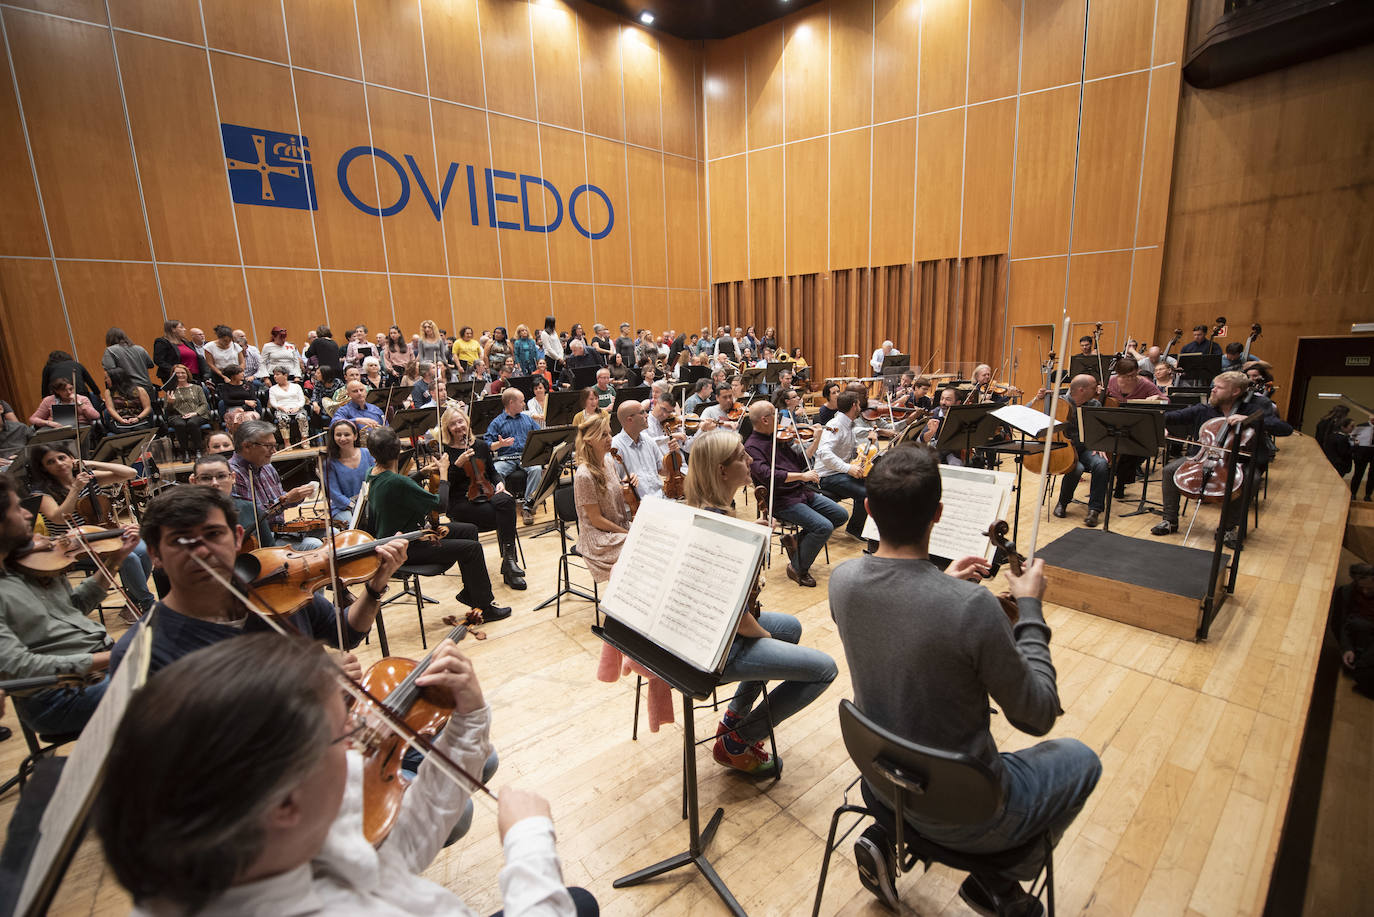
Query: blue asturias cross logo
(269, 168)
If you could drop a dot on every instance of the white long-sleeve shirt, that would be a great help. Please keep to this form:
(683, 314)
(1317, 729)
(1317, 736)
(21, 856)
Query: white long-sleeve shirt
(837, 448)
(351, 878)
(291, 401)
(643, 459)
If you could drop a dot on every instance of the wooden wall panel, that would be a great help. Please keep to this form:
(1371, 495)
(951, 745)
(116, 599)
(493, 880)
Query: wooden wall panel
(180, 153)
(480, 303)
(461, 136)
(606, 169)
(401, 126)
(292, 299)
(556, 80)
(92, 287)
(87, 10)
(1109, 162)
(729, 222)
(685, 312)
(1044, 173)
(515, 148)
(414, 299)
(570, 253)
(613, 306)
(987, 177)
(323, 36)
(896, 69)
(1099, 291)
(1171, 27)
(725, 97)
(681, 210)
(255, 29)
(807, 206)
(764, 81)
(651, 309)
(849, 198)
(454, 49)
(66, 77)
(807, 70)
(1051, 44)
(994, 40)
(573, 303)
(894, 165)
(28, 289)
(507, 60)
(939, 180)
(1159, 156)
(198, 295)
(348, 239)
(599, 53)
(530, 302)
(353, 298)
(851, 65)
(21, 231)
(639, 63)
(766, 213)
(680, 73)
(645, 216)
(1119, 33)
(167, 18)
(944, 55)
(256, 94)
(393, 52)
(1036, 291)
(1144, 302)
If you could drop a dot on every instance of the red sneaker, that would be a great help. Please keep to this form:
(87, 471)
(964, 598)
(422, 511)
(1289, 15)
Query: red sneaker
(753, 761)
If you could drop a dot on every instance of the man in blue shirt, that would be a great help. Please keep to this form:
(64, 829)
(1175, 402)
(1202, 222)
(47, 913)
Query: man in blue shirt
(507, 435)
(358, 410)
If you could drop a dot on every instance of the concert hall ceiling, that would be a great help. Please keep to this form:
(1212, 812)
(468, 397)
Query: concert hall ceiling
(704, 19)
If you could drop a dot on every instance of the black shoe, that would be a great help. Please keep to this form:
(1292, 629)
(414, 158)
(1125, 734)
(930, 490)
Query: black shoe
(1060, 511)
(874, 856)
(1164, 528)
(1090, 520)
(1011, 902)
(494, 612)
(1119, 494)
(513, 580)
(5, 733)
(511, 572)
(509, 564)
(1232, 539)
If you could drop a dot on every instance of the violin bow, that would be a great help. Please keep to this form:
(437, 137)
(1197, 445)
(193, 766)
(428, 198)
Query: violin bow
(397, 725)
(1049, 439)
(79, 537)
(323, 467)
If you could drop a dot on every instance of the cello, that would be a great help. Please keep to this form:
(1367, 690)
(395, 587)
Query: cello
(1062, 456)
(1205, 476)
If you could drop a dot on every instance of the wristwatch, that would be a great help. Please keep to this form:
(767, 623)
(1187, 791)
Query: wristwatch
(376, 596)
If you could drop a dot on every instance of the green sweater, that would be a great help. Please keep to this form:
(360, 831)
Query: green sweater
(44, 629)
(398, 504)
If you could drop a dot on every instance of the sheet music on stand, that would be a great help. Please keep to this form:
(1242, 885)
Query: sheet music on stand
(1026, 419)
(71, 802)
(683, 579)
(973, 499)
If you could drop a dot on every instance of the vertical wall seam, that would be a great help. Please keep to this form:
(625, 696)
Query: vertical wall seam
(539, 147)
(438, 182)
(372, 146)
(1140, 190)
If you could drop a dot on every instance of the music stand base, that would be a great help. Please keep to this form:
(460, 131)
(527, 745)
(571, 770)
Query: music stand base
(569, 590)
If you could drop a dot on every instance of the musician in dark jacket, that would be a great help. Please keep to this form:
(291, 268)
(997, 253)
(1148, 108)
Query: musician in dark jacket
(1231, 398)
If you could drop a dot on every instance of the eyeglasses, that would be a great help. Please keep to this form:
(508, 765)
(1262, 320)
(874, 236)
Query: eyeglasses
(358, 727)
(271, 444)
(223, 476)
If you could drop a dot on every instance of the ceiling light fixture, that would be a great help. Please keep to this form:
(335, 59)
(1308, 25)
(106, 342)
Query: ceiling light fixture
(646, 17)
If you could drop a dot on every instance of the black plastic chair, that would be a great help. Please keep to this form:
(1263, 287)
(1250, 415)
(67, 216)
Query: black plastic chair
(409, 575)
(39, 747)
(904, 778)
(565, 513)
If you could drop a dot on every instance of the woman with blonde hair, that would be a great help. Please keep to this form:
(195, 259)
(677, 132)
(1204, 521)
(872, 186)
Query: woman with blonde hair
(766, 646)
(525, 350)
(489, 513)
(603, 518)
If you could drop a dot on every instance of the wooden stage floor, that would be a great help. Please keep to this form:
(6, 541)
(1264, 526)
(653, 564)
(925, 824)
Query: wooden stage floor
(1198, 744)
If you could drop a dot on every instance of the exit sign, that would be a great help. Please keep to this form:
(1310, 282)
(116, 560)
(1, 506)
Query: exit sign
(1357, 361)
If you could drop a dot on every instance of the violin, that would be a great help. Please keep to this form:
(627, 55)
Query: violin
(865, 456)
(62, 552)
(673, 478)
(631, 498)
(284, 580)
(425, 710)
(736, 412)
(1204, 476)
(997, 534)
(480, 488)
(806, 433)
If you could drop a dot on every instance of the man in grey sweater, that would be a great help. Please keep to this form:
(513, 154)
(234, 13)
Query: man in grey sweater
(926, 650)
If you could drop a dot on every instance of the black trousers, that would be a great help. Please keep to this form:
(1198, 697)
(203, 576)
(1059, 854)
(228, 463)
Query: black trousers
(187, 431)
(1363, 456)
(459, 547)
(495, 515)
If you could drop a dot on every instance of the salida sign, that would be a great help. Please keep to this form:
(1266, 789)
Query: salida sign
(274, 169)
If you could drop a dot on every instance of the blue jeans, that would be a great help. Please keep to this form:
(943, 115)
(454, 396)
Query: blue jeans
(841, 486)
(133, 576)
(533, 474)
(1098, 468)
(755, 660)
(817, 517)
(410, 766)
(1043, 787)
(60, 710)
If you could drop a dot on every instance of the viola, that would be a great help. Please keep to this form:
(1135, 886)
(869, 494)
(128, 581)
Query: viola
(284, 580)
(425, 710)
(865, 457)
(631, 498)
(673, 478)
(1204, 476)
(480, 488)
(66, 550)
(997, 534)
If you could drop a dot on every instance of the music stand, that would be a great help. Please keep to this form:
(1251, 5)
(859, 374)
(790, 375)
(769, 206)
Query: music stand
(562, 408)
(484, 411)
(1147, 505)
(461, 391)
(1202, 367)
(892, 367)
(390, 396)
(123, 448)
(1188, 394)
(413, 423)
(965, 423)
(622, 395)
(584, 376)
(1119, 431)
(773, 370)
(690, 374)
(524, 383)
(693, 684)
(1097, 365)
(58, 434)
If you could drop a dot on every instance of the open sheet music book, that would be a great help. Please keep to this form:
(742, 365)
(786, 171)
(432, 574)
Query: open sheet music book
(973, 499)
(683, 578)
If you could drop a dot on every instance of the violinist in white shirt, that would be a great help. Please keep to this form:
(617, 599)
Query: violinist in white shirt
(841, 475)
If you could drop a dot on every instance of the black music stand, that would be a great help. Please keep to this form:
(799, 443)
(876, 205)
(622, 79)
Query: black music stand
(61, 434)
(413, 423)
(1119, 431)
(965, 424)
(1019, 449)
(124, 448)
(773, 370)
(1147, 505)
(389, 397)
(893, 365)
(524, 383)
(584, 376)
(1199, 367)
(622, 395)
(693, 684)
(484, 411)
(691, 374)
(558, 459)
(1188, 394)
(462, 391)
(1098, 365)
(562, 407)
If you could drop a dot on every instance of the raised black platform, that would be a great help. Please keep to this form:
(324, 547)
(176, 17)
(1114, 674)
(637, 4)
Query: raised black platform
(1147, 583)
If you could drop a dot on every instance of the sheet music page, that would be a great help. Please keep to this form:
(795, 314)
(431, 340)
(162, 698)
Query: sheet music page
(973, 499)
(648, 561)
(80, 778)
(1026, 419)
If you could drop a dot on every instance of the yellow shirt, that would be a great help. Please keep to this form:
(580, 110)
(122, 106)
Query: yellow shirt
(467, 351)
